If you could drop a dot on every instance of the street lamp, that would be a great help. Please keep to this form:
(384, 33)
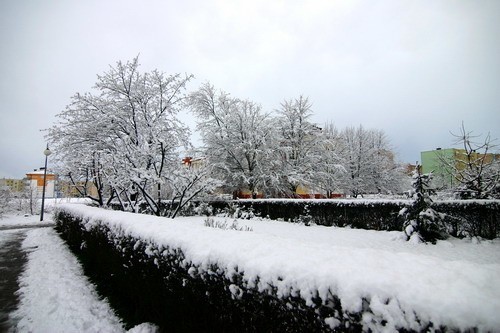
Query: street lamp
(46, 152)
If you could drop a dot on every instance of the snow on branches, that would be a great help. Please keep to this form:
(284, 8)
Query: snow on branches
(123, 141)
(237, 137)
(421, 222)
(125, 136)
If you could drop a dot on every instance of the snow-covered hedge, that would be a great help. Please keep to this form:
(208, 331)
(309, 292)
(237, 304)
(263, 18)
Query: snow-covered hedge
(184, 276)
(148, 281)
(362, 214)
(471, 217)
(464, 217)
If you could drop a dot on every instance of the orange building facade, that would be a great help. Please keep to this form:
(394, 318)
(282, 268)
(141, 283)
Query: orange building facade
(35, 180)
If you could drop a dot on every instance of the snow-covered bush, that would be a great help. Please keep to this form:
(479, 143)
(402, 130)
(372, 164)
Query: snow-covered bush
(241, 212)
(204, 209)
(224, 225)
(305, 218)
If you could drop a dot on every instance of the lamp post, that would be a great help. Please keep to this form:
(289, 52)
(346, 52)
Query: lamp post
(46, 152)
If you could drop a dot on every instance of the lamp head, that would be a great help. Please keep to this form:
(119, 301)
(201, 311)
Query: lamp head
(47, 151)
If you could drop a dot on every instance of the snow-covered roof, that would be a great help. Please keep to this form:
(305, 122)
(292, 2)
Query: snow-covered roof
(39, 172)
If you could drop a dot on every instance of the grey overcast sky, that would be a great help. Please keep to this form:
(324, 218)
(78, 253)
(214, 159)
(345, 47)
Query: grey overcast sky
(415, 69)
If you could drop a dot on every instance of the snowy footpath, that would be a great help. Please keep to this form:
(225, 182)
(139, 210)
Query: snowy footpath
(54, 295)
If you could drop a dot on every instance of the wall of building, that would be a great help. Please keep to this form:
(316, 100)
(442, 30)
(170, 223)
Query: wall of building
(431, 163)
(36, 178)
(443, 176)
(15, 185)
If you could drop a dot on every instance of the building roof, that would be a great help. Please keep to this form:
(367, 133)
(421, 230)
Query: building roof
(39, 172)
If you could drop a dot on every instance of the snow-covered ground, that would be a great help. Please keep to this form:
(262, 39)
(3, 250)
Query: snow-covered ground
(21, 221)
(454, 283)
(16, 220)
(55, 296)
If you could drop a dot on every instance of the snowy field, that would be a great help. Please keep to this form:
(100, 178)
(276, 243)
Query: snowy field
(54, 294)
(454, 283)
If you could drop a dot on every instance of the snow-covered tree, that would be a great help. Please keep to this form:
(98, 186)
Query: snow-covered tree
(356, 159)
(30, 199)
(474, 167)
(388, 175)
(126, 136)
(187, 181)
(144, 125)
(369, 162)
(236, 136)
(420, 221)
(330, 171)
(79, 141)
(299, 144)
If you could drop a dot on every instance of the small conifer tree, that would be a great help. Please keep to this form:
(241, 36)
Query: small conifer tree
(421, 222)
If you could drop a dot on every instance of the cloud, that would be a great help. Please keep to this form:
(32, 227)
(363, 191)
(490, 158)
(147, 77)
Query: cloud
(407, 67)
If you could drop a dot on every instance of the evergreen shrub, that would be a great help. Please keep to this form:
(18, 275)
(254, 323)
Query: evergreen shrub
(462, 218)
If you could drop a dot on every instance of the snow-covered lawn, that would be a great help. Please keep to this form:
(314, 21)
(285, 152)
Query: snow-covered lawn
(454, 283)
(19, 221)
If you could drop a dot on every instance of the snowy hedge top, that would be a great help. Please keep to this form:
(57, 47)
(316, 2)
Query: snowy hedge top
(330, 201)
(372, 201)
(454, 283)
